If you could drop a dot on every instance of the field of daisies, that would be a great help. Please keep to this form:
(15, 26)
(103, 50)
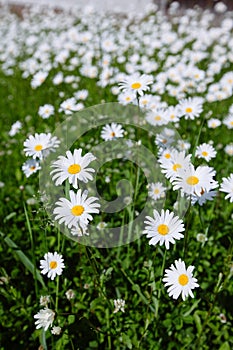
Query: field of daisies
(116, 179)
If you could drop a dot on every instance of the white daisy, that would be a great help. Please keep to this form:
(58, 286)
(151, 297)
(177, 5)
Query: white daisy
(52, 265)
(227, 187)
(69, 106)
(195, 181)
(136, 83)
(213, 123)
(40, 145)
(111, 132)
(228, 121)
(38, 79)
(164, 228)
(46, 111)
(156, 190)
(203, 197)
(30, 167)
(190, 108)
(126, 97)
(15, 128)
(76, 212)
(180, 280)
(229, 149)
(173, 162)
(72, 167)
(45, 318)
(205, 151)
(157, 116)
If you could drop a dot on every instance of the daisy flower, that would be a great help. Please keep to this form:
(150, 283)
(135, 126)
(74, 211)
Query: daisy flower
(15, 128)
(205, 151)
(76, 212)
(180, 280)
(228, 121)
(165, 138)
(126, 97)
(227, 187)
(195, 181)
(69, 106)
(173, 162)
(38, 79)
(136, 83)
(46, 111)
(190, 108)
(40, 145)
(72, 167)
(111, 132)
(157, 116)
(156, 190)
(164, 228)
(30, 167)
(52, 265)
(229, 149)
(203, 197)
(213, 123)
(44, 318)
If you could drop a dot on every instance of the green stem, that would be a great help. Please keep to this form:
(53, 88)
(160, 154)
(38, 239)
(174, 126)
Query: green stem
(160, 284)
(32, 249)
(57, 295)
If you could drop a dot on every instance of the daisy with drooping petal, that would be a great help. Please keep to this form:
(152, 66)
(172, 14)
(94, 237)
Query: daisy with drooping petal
(136, 83)
(203, 197)
(195, 181)
(40, 145)
(227, 187)
(73, 167)
(111, 132)
(205, 151)
(76, 212)
(190, 108)
(180, 280)
(52, 265)
(30, 167)
(164, 228)
(156, 190)
(44, 318)
(46, 111)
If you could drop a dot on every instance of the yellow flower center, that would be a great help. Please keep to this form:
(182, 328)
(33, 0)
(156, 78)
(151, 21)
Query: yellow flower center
(188, 110)
(176, 166)
(53, 264)
(136, 85)
(192, 180)
(163, 229)
(77, 210)
(156, 191)
(32, 168)
(38, 147)
(74, 169)
(205, 154)
(183, 279)
(167, 155)
(113, 134)
(157, 117)
(231, 123)
(128, 98)
(172, 116)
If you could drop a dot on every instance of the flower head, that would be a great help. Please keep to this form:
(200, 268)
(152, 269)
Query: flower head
(72, 167)
(111, 132)
(40, 145)
(180, 280)
(52, 265)
(44, 318)
(30, 167)
(76, 212)
(164, 228)
(136, 83)
(227, 187)
(119, 305)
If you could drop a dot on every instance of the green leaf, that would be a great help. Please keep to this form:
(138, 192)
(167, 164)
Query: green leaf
(23, 258)
(197, 320)
(225, 346)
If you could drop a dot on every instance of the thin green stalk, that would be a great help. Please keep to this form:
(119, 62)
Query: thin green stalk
(57, 294)
(32, 249)
(160, 283)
